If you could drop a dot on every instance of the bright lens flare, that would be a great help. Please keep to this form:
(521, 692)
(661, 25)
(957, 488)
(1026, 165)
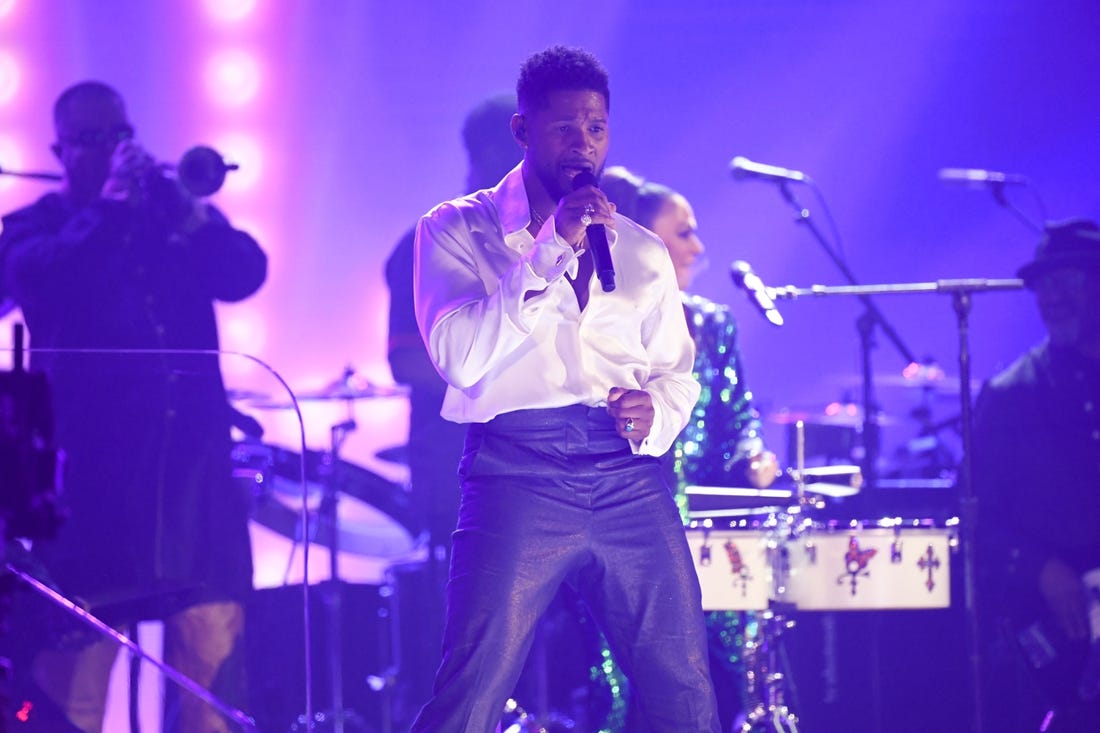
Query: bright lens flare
(233, 78)
(9, 77)
(227, 10)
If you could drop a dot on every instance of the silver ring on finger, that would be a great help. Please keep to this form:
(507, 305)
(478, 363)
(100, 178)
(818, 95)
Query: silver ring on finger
(586, 217)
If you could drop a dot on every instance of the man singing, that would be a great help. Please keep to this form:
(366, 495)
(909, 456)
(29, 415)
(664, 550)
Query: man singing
(571, 394)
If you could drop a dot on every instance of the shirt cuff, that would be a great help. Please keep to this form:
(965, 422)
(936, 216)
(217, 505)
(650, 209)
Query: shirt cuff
(551, 255)
(649, 446)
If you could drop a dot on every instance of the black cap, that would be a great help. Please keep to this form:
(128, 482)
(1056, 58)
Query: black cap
(1070, 243)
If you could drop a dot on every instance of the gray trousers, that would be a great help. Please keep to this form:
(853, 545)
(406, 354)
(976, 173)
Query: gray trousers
(553, 496)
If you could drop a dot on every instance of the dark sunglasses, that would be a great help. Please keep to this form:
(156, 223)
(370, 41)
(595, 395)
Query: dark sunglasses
(99, 138)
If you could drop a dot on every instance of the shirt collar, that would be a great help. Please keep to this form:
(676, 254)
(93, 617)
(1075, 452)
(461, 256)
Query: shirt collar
(510, 198)
(514, 208)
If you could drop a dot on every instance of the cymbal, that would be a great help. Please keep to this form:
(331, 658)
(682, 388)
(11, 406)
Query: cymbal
(941, 385)
(398, 454)
(341, 391)
(833, 481)
(928, 377)
(246, 395)
(360, 391)
(834, 414)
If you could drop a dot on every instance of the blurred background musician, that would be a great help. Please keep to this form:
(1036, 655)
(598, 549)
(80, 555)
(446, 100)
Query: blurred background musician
(1037, 478)
(123, 258)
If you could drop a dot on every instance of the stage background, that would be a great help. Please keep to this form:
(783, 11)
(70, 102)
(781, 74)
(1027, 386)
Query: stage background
(344, 116)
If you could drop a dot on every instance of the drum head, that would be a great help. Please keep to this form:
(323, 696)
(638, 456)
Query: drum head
(375, 517)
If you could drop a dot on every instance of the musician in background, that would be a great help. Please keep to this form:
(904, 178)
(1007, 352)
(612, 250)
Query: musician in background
(1037, 478)
(435, 444)
(722, 444)
(121, 258)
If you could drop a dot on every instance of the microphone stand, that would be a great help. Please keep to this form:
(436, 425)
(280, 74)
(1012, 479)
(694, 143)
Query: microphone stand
(866, 323)
(240, 718)
(334, 597)
(961, 291)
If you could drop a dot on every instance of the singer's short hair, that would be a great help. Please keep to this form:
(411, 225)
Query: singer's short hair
(559, 68)
(84, 89)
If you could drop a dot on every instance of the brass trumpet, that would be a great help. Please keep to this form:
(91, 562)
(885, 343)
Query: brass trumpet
(201, 171)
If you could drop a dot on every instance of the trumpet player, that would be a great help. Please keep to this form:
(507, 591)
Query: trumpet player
(123, 264)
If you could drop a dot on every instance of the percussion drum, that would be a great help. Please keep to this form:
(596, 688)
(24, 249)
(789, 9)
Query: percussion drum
(734, 567)
(889, 564)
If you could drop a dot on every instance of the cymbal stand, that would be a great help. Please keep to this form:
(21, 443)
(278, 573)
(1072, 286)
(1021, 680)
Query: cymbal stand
(765, 683)
(332, 595)
(865, 324)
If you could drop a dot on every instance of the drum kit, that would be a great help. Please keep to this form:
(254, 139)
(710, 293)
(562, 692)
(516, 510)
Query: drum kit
(316, 497)
(772, 553)
(374, 516)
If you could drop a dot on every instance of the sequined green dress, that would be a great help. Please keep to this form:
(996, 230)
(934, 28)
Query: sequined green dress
(724, 430)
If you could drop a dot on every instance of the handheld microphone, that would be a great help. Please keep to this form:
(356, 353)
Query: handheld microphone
(597, 239)
(750, 282)
(742, 167)
(977, 176)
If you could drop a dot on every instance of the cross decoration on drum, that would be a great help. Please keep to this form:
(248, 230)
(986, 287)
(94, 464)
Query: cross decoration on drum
(836, 568)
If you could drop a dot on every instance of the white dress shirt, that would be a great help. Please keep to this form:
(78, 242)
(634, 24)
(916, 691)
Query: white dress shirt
(475, 262)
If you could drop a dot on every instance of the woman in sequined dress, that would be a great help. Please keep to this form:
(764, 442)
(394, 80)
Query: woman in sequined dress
(722, 444)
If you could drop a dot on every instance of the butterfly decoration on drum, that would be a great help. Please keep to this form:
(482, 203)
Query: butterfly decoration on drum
(738, 567)
(855, 563)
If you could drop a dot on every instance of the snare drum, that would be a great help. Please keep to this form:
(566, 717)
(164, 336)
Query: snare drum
(889, 564)
(733, 566)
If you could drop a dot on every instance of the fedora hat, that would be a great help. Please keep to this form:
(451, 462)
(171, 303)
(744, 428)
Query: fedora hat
(1070, 243)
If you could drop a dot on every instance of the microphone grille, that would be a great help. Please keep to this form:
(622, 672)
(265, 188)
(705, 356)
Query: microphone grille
(584, 178)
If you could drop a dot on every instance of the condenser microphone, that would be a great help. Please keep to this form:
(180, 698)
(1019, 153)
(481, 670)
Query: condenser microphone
(978, 176)
(742, 167)
(597, 239)
(750, 282)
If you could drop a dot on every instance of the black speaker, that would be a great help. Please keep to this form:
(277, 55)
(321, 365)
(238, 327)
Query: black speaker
(881, 671)
(276, 657)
